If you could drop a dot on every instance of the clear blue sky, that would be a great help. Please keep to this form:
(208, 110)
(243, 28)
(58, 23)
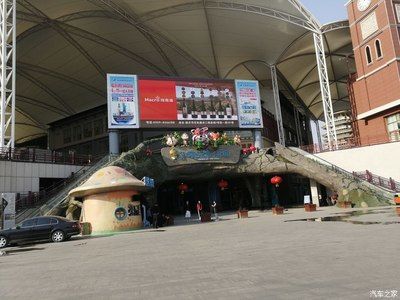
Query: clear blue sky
(327, 10)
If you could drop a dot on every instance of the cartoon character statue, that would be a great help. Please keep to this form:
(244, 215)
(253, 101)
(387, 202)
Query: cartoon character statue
(185, 139)
(237, 140)
(171, 140)
(200, 138)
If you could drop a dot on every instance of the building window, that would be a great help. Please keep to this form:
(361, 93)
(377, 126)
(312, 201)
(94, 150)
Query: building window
(398, 12)
(378, 48)
(77, 134)
(368, 54)
(98, 127)
(67, 135)
(87, 130)
(393, 126)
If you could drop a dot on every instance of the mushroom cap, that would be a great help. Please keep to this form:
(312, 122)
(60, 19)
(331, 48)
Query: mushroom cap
(109, 179)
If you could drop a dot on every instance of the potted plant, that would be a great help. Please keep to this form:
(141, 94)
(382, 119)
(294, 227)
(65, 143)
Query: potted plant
(309, 207)
(242, 212)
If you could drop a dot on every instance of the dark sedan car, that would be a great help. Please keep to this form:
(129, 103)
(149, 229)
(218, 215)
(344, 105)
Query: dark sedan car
(54, 228)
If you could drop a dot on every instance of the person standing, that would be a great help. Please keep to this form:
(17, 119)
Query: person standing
(155, 211)
(214, 210)
(187, 214)
(199, 208)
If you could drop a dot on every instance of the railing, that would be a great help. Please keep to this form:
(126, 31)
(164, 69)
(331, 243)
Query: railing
(34, 199)
(374, 179)
(358, 177)
(348, 143)
(44, 156)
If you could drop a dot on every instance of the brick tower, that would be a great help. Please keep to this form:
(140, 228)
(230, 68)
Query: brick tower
(374, 26)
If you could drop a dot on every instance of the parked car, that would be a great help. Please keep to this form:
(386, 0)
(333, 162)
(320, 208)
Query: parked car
(54, 228)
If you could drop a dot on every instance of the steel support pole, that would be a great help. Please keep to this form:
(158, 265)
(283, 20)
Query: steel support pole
(325, 91)
(319, 137)
(7, 72)
(113, 138)
(298, 126)
(258, 140)
(277, 101)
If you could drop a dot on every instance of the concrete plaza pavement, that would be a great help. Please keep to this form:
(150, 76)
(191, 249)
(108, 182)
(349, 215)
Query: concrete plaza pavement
(262, 257)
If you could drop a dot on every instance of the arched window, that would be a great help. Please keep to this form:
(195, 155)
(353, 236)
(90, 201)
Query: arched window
(368, 53)
(378, 48)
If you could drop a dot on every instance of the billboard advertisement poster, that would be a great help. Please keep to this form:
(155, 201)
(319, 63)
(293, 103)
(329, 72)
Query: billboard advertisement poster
(249, 104)
(122, 97)
(180, 103)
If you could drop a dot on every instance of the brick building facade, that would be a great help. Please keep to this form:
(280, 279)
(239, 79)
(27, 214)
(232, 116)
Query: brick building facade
(374, 26)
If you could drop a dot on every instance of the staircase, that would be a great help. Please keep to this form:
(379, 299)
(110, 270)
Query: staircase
(367, 178)
(59, 198)
(351, 187)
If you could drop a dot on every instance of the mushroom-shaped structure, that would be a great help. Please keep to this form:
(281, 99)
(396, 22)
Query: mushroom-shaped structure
(108, 200)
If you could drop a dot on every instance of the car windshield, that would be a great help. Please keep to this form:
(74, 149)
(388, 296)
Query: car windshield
(63, 219)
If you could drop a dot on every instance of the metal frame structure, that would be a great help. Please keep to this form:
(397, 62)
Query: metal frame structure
(7, 69)
(298, 126)
(325, 90)
(111, 9)
(277, 101)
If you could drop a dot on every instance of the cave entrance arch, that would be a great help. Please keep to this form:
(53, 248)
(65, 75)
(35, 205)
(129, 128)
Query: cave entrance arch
(172, 201)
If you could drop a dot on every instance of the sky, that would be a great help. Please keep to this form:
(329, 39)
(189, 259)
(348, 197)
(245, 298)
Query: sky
(327, 11)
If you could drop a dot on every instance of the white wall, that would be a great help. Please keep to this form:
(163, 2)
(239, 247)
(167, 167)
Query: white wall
(20, 177)
(382, 160)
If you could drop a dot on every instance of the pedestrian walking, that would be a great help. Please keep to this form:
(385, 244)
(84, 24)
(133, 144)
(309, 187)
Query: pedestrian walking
(199, 208)
(187, 213)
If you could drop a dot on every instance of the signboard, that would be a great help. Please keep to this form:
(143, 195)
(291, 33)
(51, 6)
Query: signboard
(8, 203)
(307, 199)
(177, 103)
(249, 104)
(149, 182)
(188, 156)
(122, 100)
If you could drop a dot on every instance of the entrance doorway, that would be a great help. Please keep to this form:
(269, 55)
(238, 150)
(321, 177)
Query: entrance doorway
(172, 201)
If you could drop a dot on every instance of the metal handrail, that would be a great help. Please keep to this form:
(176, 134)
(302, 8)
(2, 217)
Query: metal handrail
(36, 198)
(388, 183)
(62, 194)
(43, 156)
(350, 175)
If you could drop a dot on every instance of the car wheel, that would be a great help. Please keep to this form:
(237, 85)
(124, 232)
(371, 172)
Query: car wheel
(3, 241)
(58, 236)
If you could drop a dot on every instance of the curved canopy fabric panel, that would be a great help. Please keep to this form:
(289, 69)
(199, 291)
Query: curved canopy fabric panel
(298, 65)
(66, 47)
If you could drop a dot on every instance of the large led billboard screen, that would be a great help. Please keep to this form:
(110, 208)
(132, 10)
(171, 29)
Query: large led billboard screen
(182, 103)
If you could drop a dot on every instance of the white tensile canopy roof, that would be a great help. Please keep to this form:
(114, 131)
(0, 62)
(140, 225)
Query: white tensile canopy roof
(65, 48)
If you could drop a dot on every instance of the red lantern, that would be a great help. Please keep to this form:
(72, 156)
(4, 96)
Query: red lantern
(223, 184)
(276, 180)
(252, 148)
(183, 187)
